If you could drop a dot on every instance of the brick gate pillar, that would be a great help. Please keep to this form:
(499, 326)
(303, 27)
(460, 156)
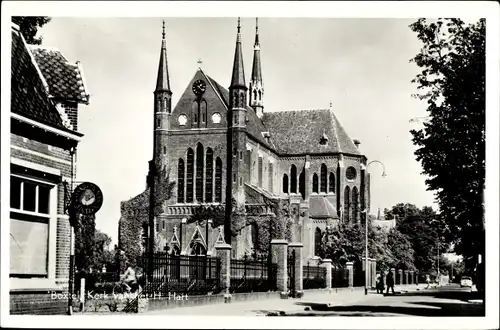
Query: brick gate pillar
(350, 270)
(406, 278)
(327, 263)
(298, 285)
(374, 272)
(279, 253)
(223, 252)
(412, 280)
(393, 271)
(400, 272)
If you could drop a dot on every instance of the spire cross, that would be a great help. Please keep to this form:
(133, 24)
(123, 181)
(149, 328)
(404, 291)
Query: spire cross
(163, 30)
(256, 24)
(239, 25)
(199, 62)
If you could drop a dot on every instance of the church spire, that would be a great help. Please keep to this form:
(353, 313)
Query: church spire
(256, 84)
(238, 76)
(163, 81)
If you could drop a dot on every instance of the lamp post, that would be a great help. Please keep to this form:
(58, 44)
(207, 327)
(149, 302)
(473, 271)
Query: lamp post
(365, 212)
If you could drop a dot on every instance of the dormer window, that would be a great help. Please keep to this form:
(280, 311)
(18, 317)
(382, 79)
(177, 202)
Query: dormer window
(323, 140)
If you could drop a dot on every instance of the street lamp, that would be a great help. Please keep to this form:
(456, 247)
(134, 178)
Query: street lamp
(365, 212)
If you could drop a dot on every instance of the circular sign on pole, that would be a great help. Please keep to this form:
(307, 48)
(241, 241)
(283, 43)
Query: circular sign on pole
(87, 198)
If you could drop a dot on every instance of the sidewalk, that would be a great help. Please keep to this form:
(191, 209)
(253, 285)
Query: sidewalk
(266, 306)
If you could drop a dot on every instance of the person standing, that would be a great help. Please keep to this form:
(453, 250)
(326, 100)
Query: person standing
(390, 282)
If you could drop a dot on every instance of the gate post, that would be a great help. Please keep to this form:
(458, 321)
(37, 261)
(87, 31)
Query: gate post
(327, 263)
(350, 270)
(223, 252)
(374, 273)
(412, 278)
(400, 272)
(298, 269)
(406, 278)
(279, 256)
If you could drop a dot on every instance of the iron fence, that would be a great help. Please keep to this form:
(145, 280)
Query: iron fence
(100, 282)
(314, 277)
(191, 275)
(258, 275)
(359, 275)
(340, 277)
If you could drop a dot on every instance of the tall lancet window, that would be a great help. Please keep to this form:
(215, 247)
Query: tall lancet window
(331, 183)
(355, 204)
(270, 177)
(180, 181)
(293, 179)
(199, 172)
(302, 184)
(318, 236)
(194, 113)
(323, 178)
(260, 171)
(347, 204)
(203, 111)
(189, 175)
(209, 165)
(315, 183)
(218, 180)
(285, 183)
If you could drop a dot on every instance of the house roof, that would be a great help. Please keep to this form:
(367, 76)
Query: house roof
(300, 132)
(29, 95)
(65, 79)
(320, 207)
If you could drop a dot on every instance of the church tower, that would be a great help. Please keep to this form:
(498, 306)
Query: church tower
(236, 136)
(162, 109)
(256, 84)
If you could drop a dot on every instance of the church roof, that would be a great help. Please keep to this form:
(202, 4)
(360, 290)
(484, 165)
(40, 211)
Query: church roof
(320, 207)
(163, 80)
(255, 127)
(29, 91)
(297, 132)
(65, 79)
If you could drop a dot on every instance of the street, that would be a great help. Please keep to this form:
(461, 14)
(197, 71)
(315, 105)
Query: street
(448, 300)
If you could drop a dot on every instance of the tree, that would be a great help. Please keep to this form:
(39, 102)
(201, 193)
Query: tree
(85, 242)
(401, 250)
(28, 25)
(401, 211)
(451, 146)
(103, 257)
(343, 243)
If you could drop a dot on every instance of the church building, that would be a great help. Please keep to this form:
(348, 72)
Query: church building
(222, 144)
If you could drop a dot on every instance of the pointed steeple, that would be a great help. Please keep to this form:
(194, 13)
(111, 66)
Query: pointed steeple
(163, 81)
(238, 76)
(256, 84)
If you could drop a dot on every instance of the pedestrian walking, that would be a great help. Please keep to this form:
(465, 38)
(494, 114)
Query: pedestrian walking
(428, 281)
(390, 282)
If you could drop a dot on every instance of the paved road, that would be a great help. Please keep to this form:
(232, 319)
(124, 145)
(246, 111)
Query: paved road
(448, 300)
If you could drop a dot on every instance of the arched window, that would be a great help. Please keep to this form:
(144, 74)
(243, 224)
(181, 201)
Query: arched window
(260, 95)
(318, 236)
(255, 95)
(347, 204)
(260, 171)
(302, 184)
(203, 110)
(285, 183)
(180, 181)
(355, 204)
(189, 175)
(323, 178)
(194, 112)
(254, 230)
(331, 183)
(315, 183)
(270, 177)
(200, 162)
(209, 168)
(218, 180)
(293, 179)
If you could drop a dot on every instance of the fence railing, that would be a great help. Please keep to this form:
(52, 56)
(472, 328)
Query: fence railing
(249, 275)
(314, 277)
(192, 275)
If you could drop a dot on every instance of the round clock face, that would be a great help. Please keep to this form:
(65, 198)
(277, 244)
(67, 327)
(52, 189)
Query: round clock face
(199, 87)
(87, 198)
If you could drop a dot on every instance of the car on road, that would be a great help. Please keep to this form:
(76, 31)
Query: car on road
(466, 281)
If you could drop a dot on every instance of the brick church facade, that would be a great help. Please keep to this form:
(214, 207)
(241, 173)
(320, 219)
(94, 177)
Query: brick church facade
(223, 144)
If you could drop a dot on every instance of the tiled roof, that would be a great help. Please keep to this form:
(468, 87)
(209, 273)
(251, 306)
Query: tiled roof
(64, 78)
(320, 207)
(255, 127)
(300, 132)
(29, 97)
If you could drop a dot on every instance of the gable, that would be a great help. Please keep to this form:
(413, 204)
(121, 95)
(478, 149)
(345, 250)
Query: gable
(190, 106)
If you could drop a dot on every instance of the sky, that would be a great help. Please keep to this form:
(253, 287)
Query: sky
(361, 66)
